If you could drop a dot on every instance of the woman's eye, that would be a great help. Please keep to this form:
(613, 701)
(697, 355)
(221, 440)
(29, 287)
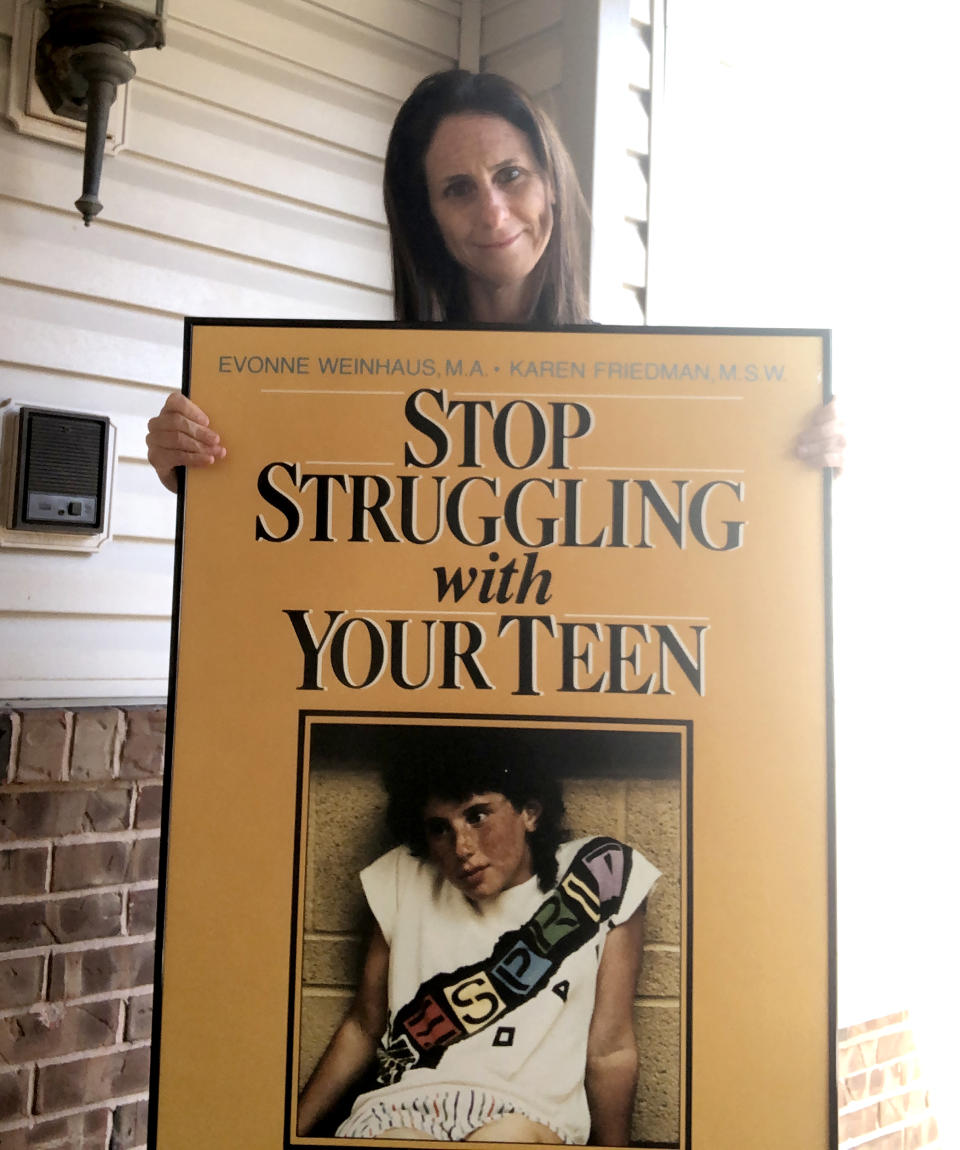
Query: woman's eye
(457, 189)
(509, 174)
(435, 828)
(476, 817)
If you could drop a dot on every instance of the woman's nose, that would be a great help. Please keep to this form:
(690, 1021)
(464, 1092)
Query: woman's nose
(493, 206)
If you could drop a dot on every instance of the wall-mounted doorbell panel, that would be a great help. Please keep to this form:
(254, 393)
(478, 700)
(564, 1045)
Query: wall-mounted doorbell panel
(56, 478)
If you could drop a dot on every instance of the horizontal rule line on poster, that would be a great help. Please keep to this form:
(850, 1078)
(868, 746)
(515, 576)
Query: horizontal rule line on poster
(668, 470)
(322, 391)
(405, 612)
(583, 467)
(581, 394)
(625, 616)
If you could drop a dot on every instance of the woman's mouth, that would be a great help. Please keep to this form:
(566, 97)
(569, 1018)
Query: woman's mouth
(472, 877)
(498, 244)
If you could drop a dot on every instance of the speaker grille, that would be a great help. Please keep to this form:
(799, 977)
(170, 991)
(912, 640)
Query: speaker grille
(64, 454)
(61, 471)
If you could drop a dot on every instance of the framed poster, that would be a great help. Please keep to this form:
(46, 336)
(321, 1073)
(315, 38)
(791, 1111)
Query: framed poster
(438, 566)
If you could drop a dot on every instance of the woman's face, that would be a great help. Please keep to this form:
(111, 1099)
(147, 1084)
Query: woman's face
(490, 198)
(480, 845)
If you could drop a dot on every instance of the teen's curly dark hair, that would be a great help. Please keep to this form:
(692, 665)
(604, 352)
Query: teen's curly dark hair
(474, 765)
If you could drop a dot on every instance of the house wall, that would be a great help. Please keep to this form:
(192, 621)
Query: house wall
(80, 803)
(592, 66)
(249, 186)
(884, 1095)
(523, 40)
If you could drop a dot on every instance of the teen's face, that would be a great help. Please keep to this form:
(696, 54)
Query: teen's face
(491, 201)
(480, 845)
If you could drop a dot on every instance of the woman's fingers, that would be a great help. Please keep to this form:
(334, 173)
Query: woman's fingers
(180, 436)
(822, 442)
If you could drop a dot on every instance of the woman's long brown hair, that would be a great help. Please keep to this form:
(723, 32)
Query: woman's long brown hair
(428, 282)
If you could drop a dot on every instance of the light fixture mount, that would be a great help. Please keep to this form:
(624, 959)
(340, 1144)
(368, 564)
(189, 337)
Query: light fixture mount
(81, 60)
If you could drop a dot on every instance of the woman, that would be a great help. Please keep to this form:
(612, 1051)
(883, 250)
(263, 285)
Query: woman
(498, 988)
(485, 217)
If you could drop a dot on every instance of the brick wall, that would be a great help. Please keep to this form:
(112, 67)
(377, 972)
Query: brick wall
(80, 807)
(883, 1099)
(348, 807)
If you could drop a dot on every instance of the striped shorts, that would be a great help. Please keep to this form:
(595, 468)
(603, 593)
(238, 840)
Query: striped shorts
(448, 1115)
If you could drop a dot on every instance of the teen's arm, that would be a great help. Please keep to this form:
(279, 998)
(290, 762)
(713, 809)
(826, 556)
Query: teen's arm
(180, 436)
(353, 1046)
(611, 1076)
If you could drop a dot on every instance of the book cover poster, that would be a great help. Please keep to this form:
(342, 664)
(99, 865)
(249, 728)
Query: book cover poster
(587, 557)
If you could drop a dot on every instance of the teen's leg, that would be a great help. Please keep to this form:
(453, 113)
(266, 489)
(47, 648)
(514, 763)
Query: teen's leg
(513, 1128)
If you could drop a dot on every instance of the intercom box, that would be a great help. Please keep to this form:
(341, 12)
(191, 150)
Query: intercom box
(56, 478)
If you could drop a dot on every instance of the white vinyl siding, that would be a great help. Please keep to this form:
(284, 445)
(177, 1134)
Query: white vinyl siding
(589, 64)
(636, 134)
(522, 40)
(249, 186)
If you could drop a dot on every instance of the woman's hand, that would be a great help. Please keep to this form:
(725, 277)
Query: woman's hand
(180, 436)
(822, 441)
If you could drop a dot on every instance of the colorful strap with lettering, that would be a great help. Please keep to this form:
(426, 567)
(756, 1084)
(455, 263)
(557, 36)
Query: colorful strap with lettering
(451, 1006)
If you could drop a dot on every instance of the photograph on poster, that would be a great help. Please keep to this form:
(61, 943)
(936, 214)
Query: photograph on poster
(495, 861)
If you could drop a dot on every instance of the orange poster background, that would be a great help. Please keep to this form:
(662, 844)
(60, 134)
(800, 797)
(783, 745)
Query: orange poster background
(758, 862)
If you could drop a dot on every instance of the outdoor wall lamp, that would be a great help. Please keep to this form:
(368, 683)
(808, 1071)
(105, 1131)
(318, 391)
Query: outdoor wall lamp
(82, 58)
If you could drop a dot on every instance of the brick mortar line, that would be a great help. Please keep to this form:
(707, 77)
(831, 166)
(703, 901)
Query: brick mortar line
(122, 1013)
(870, 1035)
(909, 1056)
(87, 1055)
(11, 1126)
(119, 739)
(32, 1076)
(73, 706)
(70, 723)
(82, 838)
(79, 892)
(55, 948)
(883, 1131)
(62, 786)
(134, 791)
(871, 1024)
(120, 994)
(918, 1084)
